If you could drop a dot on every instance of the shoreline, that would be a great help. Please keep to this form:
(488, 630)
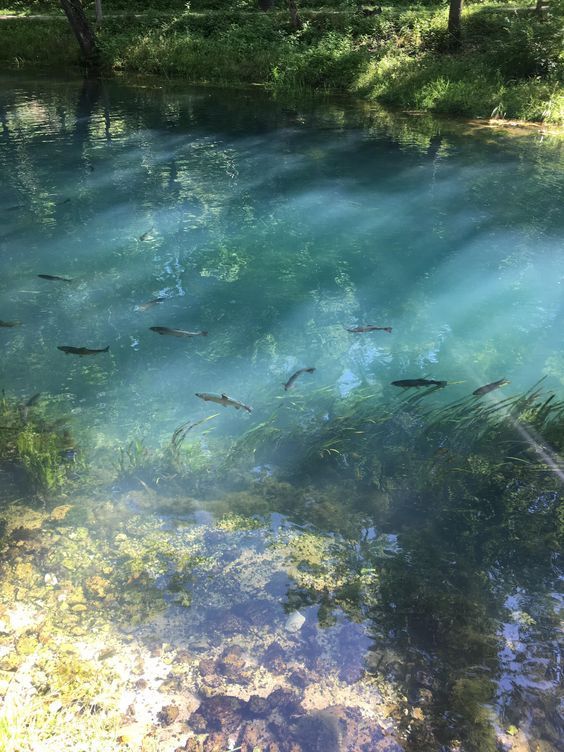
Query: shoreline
(399, 58)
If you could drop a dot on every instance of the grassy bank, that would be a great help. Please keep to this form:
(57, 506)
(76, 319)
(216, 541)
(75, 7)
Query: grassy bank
(511, 63)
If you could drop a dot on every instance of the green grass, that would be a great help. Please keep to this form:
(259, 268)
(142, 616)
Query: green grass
(510, 65)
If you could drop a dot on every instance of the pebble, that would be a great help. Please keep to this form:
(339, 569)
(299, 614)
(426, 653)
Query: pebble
(294, 622)
(50, 579)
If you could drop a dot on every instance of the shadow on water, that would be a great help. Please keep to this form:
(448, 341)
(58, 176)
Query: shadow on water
(351, 567)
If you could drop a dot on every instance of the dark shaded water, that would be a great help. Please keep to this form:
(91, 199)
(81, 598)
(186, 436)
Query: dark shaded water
(397, 586)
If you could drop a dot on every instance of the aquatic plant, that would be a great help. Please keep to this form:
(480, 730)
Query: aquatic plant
(40, 454)
(39, 444)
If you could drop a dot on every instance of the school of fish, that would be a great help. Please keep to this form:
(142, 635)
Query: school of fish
(223, 399)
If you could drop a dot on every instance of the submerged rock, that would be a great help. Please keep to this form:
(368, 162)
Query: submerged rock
(294, 622)
(220, 713)
(168, 714)
(275, 658)
(319, 732)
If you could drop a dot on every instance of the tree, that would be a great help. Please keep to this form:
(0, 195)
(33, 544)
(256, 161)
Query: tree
(454, 14)
(99, 11)
(82, 31)
(295, 16)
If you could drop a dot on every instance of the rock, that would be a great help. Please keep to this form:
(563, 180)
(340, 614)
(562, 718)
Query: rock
(257, 707)
(232, 664)
(51, 580)
(79, 608)
(294, 622)
(97, 586)
(207, 666)
(275, 658)
(354, 732)
(319, 732)
(298, 679)
(60, 512)
(168, 714)
(220, 713)
(286, 702)
(24, 534)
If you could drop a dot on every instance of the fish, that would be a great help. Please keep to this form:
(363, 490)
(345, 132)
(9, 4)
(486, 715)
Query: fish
(223, 400)
(290, 383)
(54, 278)
(368, 328)
(490, 387)
(32, 400)
(405, 383)
(9, 324)
(68, 350)
(149, 304)
(176, 332)
(146, 235)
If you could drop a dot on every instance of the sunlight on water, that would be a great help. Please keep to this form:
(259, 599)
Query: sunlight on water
(242, 594)
(272, 240)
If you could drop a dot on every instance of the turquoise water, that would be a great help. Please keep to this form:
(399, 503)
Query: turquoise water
(273, 226)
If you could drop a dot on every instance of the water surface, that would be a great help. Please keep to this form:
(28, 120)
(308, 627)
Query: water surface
(273, 226)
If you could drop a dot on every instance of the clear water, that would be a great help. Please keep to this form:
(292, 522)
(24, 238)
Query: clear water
(273, 226)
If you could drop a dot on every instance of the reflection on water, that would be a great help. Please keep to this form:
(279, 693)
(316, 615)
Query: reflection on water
(350, 566)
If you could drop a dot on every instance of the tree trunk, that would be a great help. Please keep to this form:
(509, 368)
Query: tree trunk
(541, 8)
(99, 11)
(82, 31)
(295, 16)
(454, 15)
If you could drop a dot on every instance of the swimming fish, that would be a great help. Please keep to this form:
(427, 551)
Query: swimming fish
(368, 328)
(9, 324)
(490, 387)
(68, 350)
(149, 304)
(54, 278)
(176, 332)
(418, 382)
(290, 383)
(146, 235)
(223, 400)
(32, 400)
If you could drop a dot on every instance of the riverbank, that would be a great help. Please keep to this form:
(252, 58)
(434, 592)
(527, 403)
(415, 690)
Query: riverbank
(509, 66)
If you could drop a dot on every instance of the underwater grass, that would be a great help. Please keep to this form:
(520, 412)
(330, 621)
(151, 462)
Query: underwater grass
(35, 443)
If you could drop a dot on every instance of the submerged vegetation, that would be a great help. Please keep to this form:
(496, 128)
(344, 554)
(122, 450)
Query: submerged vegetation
(413, 521)
(32, 443)
(509, 63)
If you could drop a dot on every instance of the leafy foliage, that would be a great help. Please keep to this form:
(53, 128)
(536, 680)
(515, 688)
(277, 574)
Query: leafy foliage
(510, 62)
